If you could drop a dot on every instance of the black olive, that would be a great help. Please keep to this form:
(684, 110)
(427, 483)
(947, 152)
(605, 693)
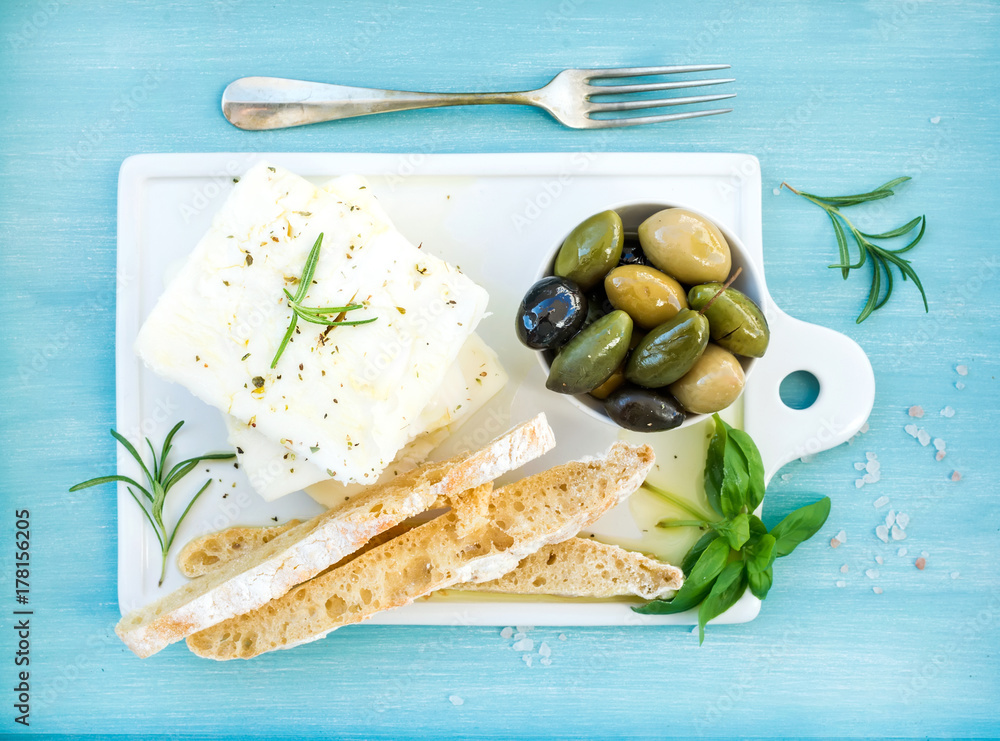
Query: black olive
(598, 303)
(644, 410)
(632, 253)
(552, 311)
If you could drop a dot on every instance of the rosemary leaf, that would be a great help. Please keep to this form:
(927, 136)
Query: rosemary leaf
(904, 229)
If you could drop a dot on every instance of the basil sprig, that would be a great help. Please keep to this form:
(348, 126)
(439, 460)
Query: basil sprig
(737, 551)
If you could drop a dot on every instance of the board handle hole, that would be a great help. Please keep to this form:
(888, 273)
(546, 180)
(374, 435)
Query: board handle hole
(799, 390)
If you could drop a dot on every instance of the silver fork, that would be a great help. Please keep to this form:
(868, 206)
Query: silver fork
(258, 103)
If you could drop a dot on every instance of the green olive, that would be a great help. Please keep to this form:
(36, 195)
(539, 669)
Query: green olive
(667, 352)
(591, 250)
(649, 296)
(615, 380)
(713, 383)
(736, 322)
(587, 360)
(686, 246)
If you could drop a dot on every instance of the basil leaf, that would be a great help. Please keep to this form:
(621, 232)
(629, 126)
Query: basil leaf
(703, 574)
(726, 477)
(728, 588)
(800, 525)
(696, 550)
(760, 584)
(735, 481)
(755, 467)
(715, 465)
(736, 530)
(759, 554)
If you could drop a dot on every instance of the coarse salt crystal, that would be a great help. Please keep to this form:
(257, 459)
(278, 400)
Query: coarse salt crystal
(901, 552)
(959, 385)
(844, 569)
(834, 543)
(956, 476)
(562, 636)
(786, 477)
(935, 119)
(954, 574)
(879, 560)
(925, 554)
(841, 583)
(871, 456)
(859, 466)
(902, 520)
(962, 370)
(527, 659)
(947, 412)
(776, 191)
(872, 573)
(873, 467)
(917, 412)
(924, 438)
(544, 649)
(939, 444)
(890, 519)
(870, 478)
(525, 628)
(456, 700)
(877, 590)
(518, 636)
(920, 563)
(842, 536)
(858, 483)
(880, 502)
(808, 458)
(898, 533)
(545, 661)
(911, 429)
(939, 456)
(506, 632)
(525, 644)
(882, 533)
(864, 428)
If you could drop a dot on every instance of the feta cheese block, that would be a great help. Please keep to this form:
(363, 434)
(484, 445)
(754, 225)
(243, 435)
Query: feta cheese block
(274, 470)
(345, 397)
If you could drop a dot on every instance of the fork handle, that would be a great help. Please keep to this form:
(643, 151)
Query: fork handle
(261, 103)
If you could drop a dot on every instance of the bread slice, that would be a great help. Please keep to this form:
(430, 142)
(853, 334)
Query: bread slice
(302, 552)
(523, 517)
(209, 552)
(578, 567)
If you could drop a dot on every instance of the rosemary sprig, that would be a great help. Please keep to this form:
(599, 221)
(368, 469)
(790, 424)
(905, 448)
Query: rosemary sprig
(882, 258)
(315, 315)
(160, 480)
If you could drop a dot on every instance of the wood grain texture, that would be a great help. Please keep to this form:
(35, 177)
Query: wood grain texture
(833, 96)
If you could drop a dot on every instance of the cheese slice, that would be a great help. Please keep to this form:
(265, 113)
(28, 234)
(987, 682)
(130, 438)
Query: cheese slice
(274, 470)
(346, 397)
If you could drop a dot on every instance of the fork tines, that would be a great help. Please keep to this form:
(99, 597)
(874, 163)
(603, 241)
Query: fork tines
(645, 103)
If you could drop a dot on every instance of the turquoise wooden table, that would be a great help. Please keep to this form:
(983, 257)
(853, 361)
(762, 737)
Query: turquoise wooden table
(833, 96)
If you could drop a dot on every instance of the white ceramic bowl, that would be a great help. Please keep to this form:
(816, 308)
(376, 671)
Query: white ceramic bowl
(750, 282)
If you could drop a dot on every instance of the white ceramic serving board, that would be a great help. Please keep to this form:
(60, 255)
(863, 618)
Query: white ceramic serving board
(497, 216)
